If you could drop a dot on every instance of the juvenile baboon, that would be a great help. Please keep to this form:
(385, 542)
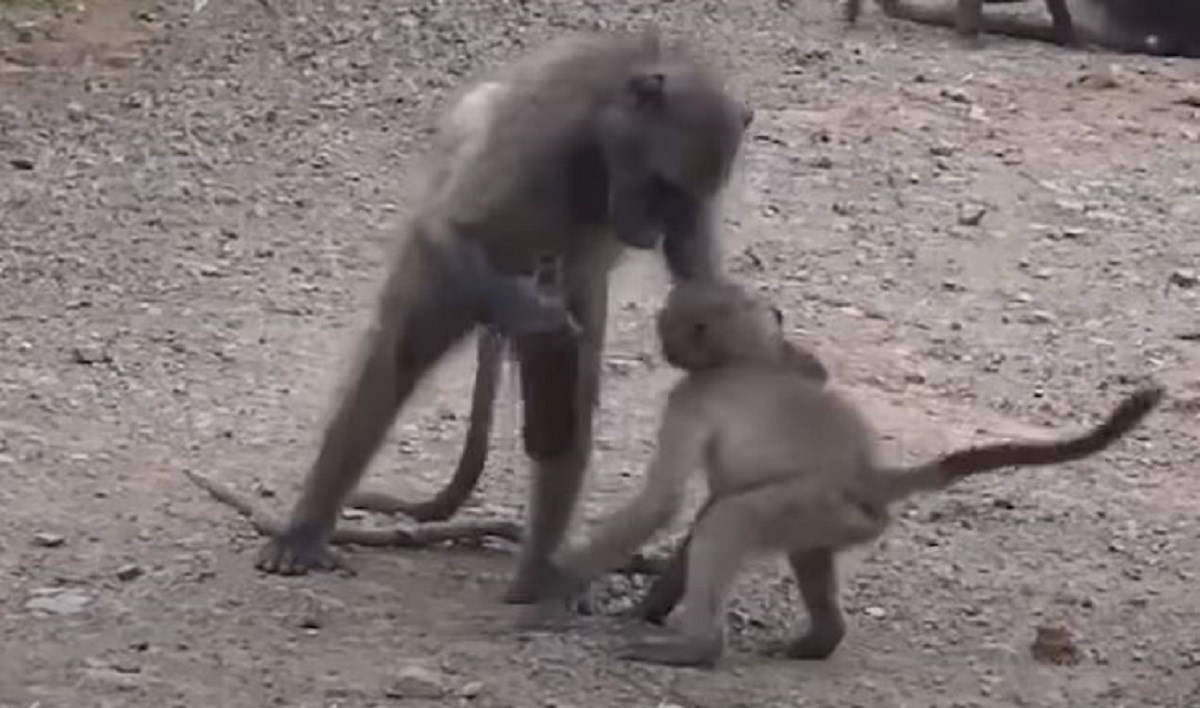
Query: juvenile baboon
(691, 311)
(791, 469)
(1156, 27)
(541, 159)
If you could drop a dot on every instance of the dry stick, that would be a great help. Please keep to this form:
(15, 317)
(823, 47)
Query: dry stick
(416, 536)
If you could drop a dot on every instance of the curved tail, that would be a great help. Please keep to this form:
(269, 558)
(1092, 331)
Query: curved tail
(900, 482)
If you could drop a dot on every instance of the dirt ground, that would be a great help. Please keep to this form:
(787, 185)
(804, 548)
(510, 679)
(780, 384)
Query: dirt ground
(196, 204)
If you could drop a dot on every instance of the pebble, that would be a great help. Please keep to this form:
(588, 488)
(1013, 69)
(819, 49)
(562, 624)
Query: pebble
(129, 571)
(1185, 278)
(956, 94)
(416, 682)
(1039, 317)
(91, 354)
(1053, 644)
(970, 215)
(471, 690)
(875, 612)
(58, 601)
(48, 540)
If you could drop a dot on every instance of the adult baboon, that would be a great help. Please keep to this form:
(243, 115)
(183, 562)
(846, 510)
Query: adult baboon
(586, 139)
(1158, 27)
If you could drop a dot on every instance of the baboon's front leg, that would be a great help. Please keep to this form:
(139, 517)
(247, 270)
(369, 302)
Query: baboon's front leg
(419, 317)
(667, 588)
(560, 380)
(721, 539)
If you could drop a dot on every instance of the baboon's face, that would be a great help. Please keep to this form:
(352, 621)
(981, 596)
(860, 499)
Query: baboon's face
(706, 325)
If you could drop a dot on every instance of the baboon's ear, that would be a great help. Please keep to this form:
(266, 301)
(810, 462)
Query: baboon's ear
(647, 88)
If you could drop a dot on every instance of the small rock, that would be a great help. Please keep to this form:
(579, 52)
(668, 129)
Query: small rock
(59, 602)
(91, 354)
(1038, 317)
(822, 163)
(125, 667)
(312, 614)
(119, 60)
(471, 690)
(48, 540)
(21, 163)
(1191, 98)
(1053, 644)
(1107, 78)
(970, 215)
(956, 94)
(1185, 278)
(109, 677)
(128, 572)
(416, 682)
(875, 612)
(941, 150)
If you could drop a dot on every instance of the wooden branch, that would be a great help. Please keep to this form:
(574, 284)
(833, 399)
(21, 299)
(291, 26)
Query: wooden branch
(414, 536)
(417, 536)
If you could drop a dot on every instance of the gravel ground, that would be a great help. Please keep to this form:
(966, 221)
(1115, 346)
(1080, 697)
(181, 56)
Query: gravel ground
(195, 209)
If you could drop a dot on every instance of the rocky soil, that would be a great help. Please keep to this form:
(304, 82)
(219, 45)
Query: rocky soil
(196, 205)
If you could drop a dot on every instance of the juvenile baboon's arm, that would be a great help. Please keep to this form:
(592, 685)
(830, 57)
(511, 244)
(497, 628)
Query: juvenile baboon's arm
(682, 438)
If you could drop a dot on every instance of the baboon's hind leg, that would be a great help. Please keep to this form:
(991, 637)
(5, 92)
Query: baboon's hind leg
(816, 575)
(1061, 31)
(447, 502)
(420, 315)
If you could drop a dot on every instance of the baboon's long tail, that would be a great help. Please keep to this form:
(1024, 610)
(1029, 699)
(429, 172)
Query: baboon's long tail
(953, 466)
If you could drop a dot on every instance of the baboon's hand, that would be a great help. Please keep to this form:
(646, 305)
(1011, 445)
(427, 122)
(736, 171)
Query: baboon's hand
(296, 551)
(517, 307)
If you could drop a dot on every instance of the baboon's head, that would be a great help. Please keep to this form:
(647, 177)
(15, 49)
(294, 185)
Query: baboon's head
(672, 135)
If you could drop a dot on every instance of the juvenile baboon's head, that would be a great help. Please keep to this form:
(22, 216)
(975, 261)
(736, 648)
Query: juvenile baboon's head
(709, 324)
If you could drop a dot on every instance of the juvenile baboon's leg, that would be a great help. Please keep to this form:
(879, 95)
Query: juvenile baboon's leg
(560, 379)
(720, 541)
(816, 575)
(667, 588)
(420, 315)
(449, 500)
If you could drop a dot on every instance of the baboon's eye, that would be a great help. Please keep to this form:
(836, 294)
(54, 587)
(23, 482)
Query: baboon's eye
(699, 329)
(778, 314)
